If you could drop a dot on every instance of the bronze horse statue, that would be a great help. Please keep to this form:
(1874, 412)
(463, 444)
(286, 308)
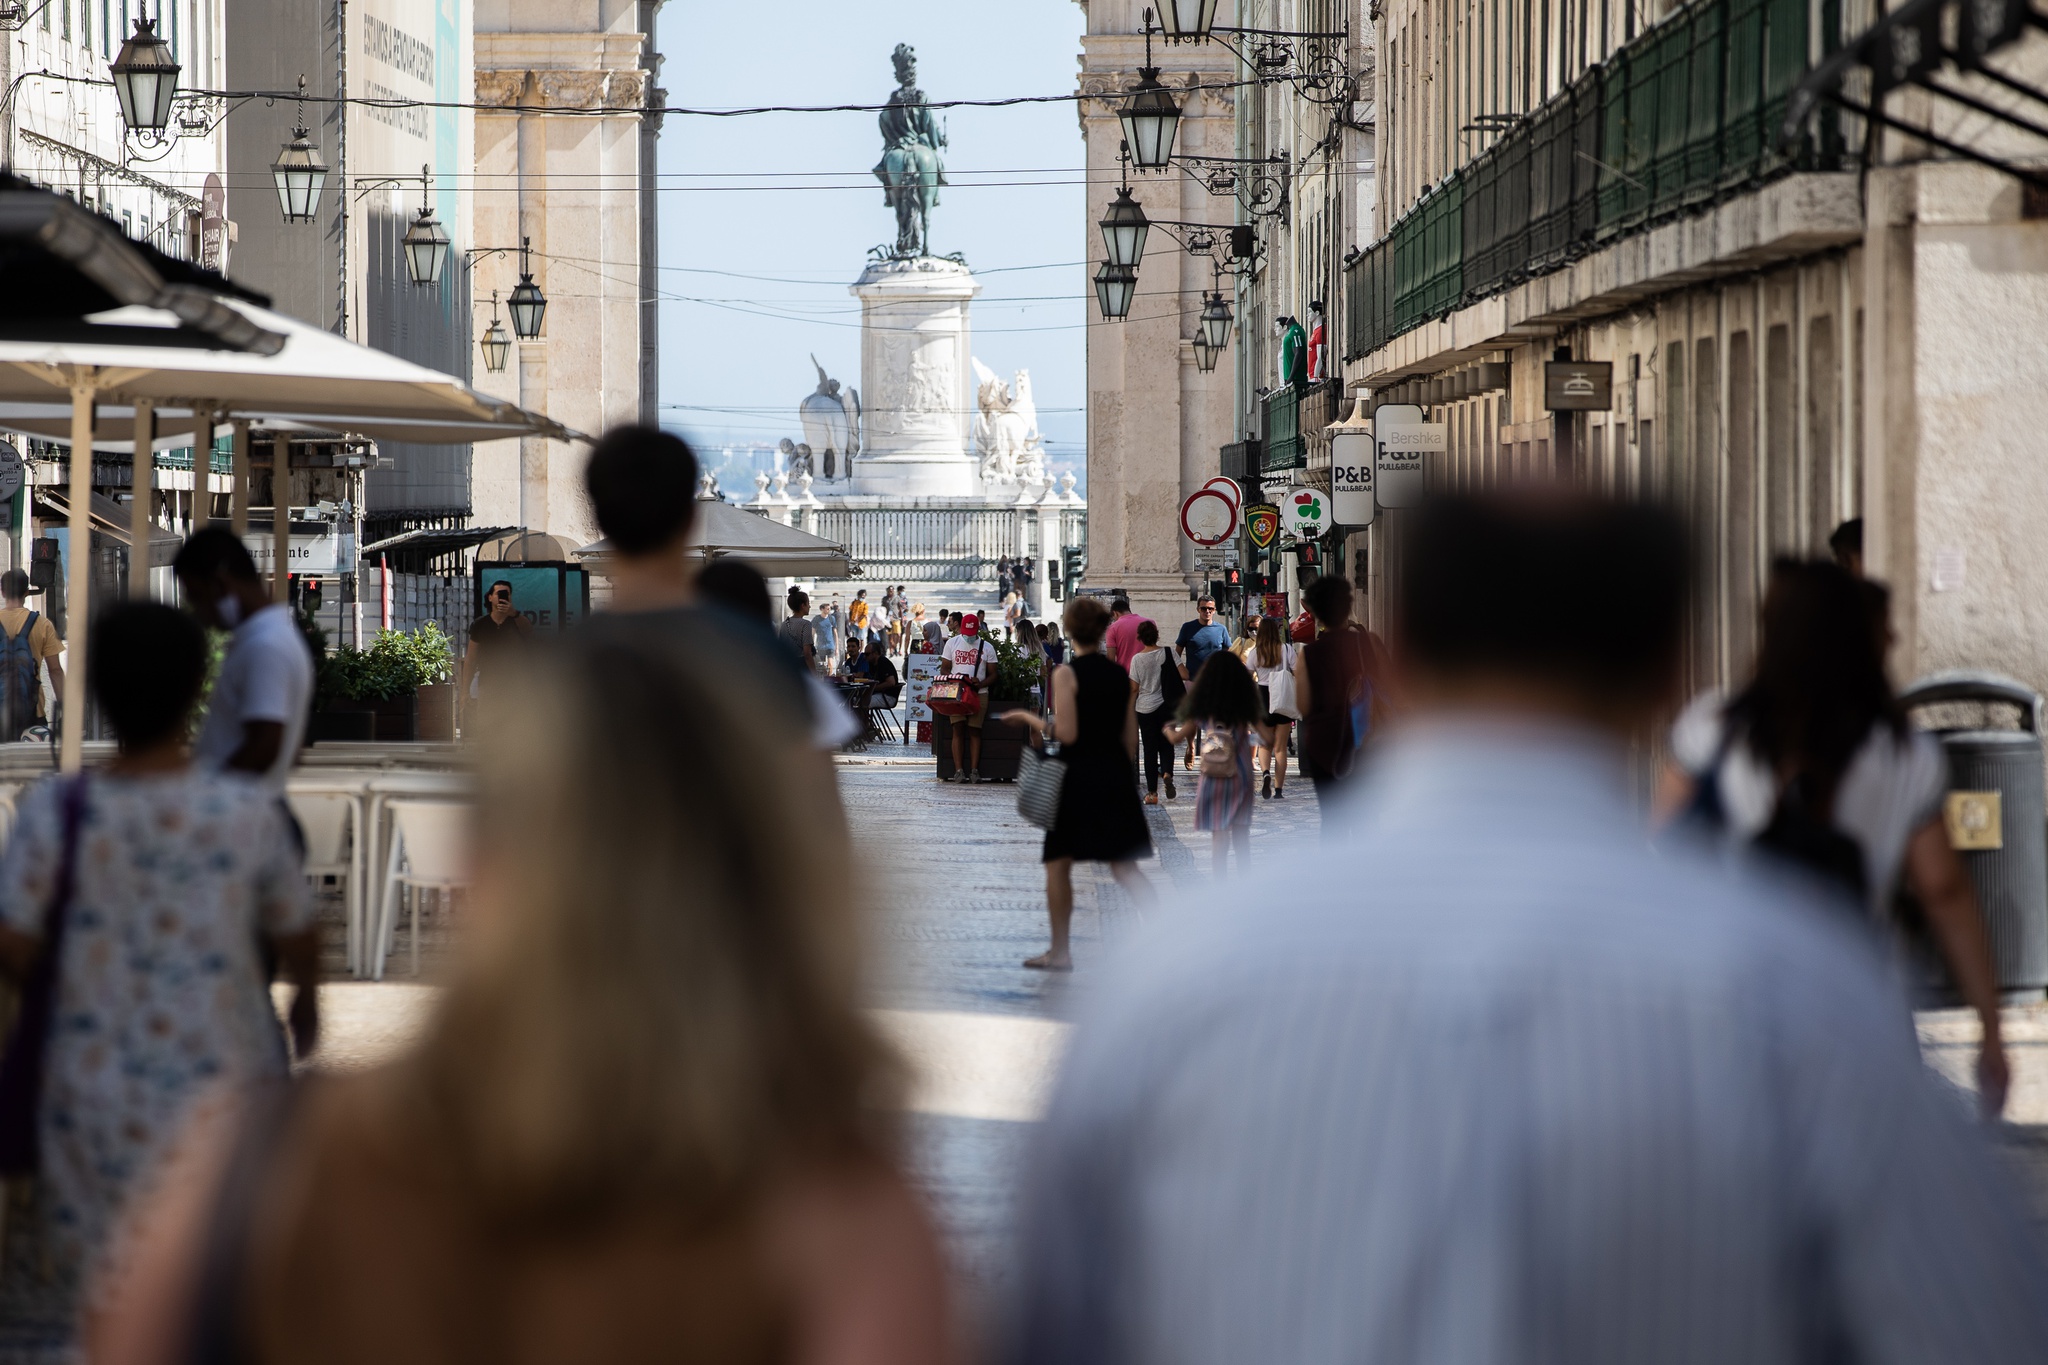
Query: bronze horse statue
(910, 170)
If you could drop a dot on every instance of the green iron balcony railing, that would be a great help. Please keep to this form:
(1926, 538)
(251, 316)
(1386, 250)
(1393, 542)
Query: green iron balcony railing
(1680, 118)
(1280, 430)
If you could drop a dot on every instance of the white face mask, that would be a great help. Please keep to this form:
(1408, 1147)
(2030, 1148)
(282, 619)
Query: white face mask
(230, 609)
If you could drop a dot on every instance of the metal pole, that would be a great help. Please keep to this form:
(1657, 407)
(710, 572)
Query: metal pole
(78, 573)
(280, 518)
(238, 496)
(142, 484)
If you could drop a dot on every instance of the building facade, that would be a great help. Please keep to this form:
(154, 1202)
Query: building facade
(1275, 156)
(346, 270)
(1786, 323)
(1156, 421)
(1308, 115)
(565, 162)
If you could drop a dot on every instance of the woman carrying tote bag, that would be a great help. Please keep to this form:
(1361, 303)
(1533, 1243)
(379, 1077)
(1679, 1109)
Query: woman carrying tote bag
(1273, 665)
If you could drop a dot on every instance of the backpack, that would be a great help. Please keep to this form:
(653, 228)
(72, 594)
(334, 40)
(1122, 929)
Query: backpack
(1798, 836)
(20, 680)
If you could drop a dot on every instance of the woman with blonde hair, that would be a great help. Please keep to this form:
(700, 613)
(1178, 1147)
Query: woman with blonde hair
(648, 1120)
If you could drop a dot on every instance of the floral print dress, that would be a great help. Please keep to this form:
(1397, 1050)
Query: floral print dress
(161, 997)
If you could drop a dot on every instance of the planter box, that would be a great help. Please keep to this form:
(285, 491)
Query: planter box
(1002, 744)
(437, 712)
(339, 726)
(396, 720)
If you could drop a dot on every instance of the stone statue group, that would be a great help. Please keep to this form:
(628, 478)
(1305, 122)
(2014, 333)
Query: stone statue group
(831, 420)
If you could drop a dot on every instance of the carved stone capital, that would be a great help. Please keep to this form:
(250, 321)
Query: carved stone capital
(626, 89)
(499, 89)
(571, 89)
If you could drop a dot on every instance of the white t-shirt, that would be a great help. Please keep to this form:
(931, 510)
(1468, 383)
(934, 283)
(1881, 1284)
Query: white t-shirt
(1891, 788)
(267, 675)
(1268, 676)
(1145, 673)
(972, 657)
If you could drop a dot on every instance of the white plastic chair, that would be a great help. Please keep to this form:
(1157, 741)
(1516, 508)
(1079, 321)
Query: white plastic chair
(328, 822)
(429, 847)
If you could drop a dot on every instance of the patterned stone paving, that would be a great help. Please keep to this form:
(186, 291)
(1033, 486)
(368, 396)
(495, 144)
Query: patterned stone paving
(961, 891)
(960, 905)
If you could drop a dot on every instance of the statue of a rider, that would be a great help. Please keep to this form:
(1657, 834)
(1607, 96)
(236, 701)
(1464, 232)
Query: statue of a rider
(910, 170)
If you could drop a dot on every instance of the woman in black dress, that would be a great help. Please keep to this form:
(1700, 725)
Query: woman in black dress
(1095, 719)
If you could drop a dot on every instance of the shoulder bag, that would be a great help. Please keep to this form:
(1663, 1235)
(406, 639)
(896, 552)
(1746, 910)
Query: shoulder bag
(1280, 692)
(28, 1047)
(1040, 775)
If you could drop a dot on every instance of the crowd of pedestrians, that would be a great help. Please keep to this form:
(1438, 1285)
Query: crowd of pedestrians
(1495, 1080)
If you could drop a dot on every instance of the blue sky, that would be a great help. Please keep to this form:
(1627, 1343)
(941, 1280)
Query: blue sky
(766, 219)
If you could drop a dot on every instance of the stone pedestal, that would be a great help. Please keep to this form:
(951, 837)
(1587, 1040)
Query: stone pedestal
(916, 380)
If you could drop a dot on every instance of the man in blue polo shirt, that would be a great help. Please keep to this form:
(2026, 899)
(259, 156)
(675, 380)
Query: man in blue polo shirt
(1199, 638)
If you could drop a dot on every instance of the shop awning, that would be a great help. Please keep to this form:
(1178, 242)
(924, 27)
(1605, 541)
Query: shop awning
(110, 518)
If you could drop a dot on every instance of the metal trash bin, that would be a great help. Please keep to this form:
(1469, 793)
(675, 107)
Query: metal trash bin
(1997, 817)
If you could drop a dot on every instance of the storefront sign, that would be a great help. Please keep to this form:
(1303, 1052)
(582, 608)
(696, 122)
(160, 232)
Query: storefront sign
(1307, 512)
(1578, 385)
(1401, 440)
(1262, 525)
(321, 553)
(1351, 475)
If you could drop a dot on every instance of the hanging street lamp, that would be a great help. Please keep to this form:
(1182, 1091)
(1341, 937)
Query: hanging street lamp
(1115, 285)
(1205, 354)
(299, 173)
(1216, 321)
(1124, 228)
(496, 344)
(426, 241)
(1187, 20)
(527, 305)
(1150, 118)
(145, 80)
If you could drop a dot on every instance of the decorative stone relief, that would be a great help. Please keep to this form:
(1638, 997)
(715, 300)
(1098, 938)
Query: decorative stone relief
(931, 381)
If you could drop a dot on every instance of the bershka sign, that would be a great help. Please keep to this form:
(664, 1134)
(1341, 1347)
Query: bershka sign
(1402, 439)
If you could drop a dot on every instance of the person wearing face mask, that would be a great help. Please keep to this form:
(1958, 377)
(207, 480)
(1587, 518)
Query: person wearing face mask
(256, 715)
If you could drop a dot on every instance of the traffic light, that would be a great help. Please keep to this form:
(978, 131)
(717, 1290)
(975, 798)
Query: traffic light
(1074, 563)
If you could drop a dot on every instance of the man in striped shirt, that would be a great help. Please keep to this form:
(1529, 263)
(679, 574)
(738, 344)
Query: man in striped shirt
(1494, 1082)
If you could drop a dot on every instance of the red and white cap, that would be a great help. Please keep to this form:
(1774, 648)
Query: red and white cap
(969, 624)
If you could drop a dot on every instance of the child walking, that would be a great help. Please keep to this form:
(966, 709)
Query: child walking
(1223, 708)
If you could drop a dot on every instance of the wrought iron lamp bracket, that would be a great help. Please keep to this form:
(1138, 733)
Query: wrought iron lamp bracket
(1908, 47)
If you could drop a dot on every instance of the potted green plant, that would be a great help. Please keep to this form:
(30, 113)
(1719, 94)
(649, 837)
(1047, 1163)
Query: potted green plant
(375, 693)
(1002, 744)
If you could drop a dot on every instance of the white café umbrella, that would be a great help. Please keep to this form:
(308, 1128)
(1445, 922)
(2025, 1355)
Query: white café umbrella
(207, 355)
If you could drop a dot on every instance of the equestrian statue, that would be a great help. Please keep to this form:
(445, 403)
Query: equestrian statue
(910, 169)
